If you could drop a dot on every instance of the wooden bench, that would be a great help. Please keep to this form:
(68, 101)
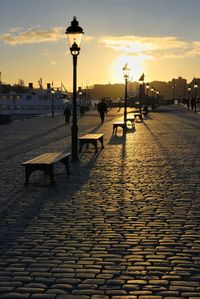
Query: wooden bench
(117, 124)
(45, 162)
(131, 120)
(138, 115)
(91, 138)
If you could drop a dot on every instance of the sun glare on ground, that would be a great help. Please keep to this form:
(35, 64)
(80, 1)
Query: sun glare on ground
(135, 65)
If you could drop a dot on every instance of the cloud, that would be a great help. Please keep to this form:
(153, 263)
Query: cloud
(195, 50)
(53, 62)
(19, 36)
(30, 36)
(152, 47)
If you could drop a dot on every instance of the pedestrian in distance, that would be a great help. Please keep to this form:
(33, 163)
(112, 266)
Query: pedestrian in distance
(82, 110)
(67, 114)
(102, 110)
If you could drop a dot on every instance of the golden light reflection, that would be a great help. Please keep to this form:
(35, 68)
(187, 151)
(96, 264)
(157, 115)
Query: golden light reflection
(136, 65)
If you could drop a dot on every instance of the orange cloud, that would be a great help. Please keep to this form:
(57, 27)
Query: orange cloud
(151, 47)
(32, 36)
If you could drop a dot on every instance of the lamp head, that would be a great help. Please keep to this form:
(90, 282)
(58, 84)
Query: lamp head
(74, 35)
(126, 71)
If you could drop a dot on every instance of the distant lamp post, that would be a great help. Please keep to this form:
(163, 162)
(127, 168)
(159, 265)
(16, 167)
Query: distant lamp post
(147, 94)
(52, 98)
(74, 35)
(147, 89)
(157, 92)
(174, 89)
(152, 92)
(189, 96)
(141, 90)
(195, 96)
(126, 72)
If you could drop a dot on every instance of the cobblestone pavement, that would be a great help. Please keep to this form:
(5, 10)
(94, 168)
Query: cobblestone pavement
(124, 224)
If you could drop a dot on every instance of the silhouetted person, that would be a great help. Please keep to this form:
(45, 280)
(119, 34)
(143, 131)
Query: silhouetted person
(102, 109)
(67, 114)
(82, 110)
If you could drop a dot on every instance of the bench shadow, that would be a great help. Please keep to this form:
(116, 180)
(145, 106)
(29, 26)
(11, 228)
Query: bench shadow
(32, 201)
(120, 136)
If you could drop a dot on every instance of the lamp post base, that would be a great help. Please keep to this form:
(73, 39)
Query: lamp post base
(74, 147)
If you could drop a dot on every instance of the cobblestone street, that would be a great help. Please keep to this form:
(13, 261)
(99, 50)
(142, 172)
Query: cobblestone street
(125, 224)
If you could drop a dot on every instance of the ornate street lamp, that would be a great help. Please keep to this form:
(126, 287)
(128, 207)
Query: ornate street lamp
(74, 35)
(126, 72)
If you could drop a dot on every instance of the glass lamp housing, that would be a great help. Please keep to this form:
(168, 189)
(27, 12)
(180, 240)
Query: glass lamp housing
(74, 36)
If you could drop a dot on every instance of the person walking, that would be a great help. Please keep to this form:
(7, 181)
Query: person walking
(82, 110)
(102, 109)
(67, 114)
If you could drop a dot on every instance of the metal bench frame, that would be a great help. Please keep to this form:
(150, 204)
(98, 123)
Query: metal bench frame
(45, 163)
(117, 124)
(91, 138)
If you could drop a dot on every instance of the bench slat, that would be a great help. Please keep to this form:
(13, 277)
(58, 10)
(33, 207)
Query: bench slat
(91, 136)
(47, 158)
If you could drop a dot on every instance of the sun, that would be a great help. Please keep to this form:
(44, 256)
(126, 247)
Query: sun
(136, 68)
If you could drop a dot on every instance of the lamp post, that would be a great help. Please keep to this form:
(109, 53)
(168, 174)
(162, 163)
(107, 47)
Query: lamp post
(189, 96)
(152, 92)
(141, 90)
(147, 94)
(126, 71)
(174, 89)
(147, 89)
(195, 96)
(157, 92)
(52, 98)
(74, 35)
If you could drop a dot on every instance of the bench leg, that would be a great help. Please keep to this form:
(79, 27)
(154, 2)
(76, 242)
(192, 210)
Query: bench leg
(80, 145)
(65, 161)
(114, 129)
(49, 170)
(94, 142)
(101, 140)
(28, 172)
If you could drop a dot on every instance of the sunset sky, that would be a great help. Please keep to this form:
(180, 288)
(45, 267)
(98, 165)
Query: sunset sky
(158, 37)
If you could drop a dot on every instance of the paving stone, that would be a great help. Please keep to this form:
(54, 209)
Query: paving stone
(14, 295)
(124, 224)
(42, 296)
